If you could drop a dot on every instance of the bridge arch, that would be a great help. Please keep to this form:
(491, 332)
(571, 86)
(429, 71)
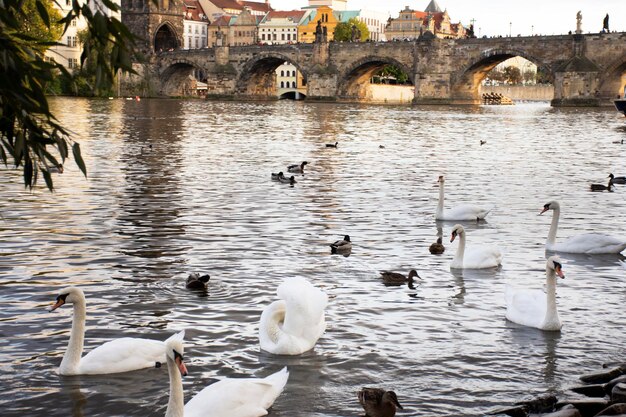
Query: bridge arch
(257, 77)
(466, 84)
(613, 80)
(165, 38)
(354, 82)
(180, 77)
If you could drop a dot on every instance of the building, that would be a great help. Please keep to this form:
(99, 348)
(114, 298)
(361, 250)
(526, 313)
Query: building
(238, 30)
(338, 5)
(195, 25)
(69, 52)
(323, 14)
(281, 27)
(218, 8)
(375, 21)
(411, 24)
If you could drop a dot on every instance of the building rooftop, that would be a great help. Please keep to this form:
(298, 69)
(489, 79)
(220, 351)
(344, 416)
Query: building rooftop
(193, 11)
(433, 7)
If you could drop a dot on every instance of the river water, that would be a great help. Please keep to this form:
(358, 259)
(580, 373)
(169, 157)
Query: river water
(184, 186)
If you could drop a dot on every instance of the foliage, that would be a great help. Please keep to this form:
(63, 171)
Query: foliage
(343, 31)
(34, 26)
(29, 132)
(394, 73)
(509, 75)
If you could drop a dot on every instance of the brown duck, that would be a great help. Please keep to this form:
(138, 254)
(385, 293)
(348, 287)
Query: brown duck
(395, 278)
(378, 403)
(437, 248)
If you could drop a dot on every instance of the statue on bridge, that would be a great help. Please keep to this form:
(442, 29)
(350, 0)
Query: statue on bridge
(579, 23)
(219, 37)
(318, 32)
(605, 24)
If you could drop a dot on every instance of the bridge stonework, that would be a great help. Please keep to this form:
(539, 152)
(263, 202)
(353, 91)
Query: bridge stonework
(587, 70)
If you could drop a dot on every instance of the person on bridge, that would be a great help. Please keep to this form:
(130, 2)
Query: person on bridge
(605, 24)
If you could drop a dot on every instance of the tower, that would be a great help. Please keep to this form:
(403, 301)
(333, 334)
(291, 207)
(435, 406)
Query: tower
(159, 28)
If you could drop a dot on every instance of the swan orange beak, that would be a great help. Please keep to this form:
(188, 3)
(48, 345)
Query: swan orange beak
(559, 272)
(56, 305)
(452, 236)
(181, 366)
(543, 211)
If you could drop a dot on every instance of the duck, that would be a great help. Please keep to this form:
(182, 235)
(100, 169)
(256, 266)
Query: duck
(459, 213)
(482, 142)
(588, 243)
(381, 146)
(118, 355)
(195, 281)
(437, 248)
(232, 397)
(601, 187)
(534, 307)
(341, 246)
(291, 180)
(298, 169)
(293, 324)
(617, 180)
(277, 177)
(395, 278)
(480, 257)
(332, 145)
(621, 142)
(378, 403)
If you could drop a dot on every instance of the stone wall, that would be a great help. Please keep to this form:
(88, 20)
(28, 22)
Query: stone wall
(391, 94)
(521, 92)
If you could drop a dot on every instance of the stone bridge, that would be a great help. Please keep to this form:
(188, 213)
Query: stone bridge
(586, 70)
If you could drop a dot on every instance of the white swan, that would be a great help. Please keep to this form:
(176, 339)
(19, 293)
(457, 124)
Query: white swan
(230, 397)
(458, 213)
(292, 325)
(534, 308)
(589, 243)
(118, 355)
(477, 258)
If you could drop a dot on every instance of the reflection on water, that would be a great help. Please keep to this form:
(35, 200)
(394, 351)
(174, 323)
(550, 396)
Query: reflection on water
(176, 187)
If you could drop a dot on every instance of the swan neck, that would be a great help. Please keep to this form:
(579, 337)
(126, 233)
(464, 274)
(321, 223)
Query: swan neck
(272, 320)
(551, 312)
(554, 226)
(74, 352)
(460, 252)
(440, 203)
(175, 406)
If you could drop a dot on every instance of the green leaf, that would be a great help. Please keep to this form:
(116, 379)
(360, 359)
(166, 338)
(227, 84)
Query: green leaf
(43, 13)
(28, 174)
(79, 158)
(48, 178)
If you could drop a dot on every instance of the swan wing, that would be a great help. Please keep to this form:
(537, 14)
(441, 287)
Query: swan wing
(525, 306)
(482, 257)
(465, 212)
(238, 397)
(590, 243)
(123, 355)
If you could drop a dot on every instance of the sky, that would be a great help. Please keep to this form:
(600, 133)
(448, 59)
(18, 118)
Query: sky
(498, 17)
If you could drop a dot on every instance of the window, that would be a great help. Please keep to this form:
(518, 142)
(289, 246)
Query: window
(72, 63)
(74, 22)
(282, 38)
(282, 73)
(293, 84)
(282, 84)
(263, 36)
